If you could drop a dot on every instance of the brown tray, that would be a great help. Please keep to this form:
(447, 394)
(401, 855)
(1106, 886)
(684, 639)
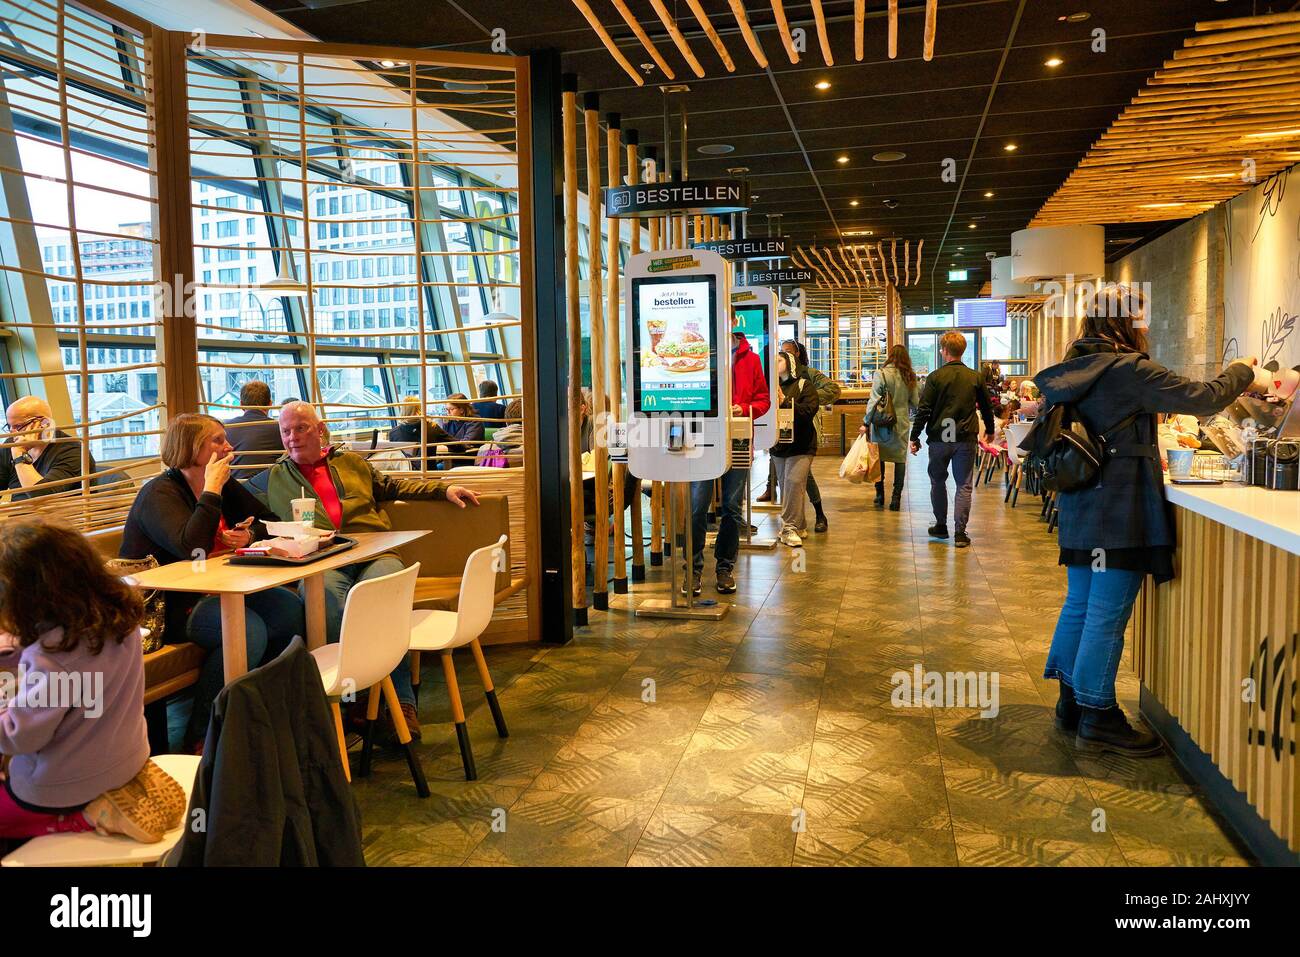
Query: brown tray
(339, 544)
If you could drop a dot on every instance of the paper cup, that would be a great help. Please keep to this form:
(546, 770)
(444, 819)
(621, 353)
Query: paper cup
(304, 510)
(1180, 462)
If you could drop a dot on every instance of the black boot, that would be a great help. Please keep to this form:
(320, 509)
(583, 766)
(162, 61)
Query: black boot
(1107, 729)
(1067, 711)
(880, 495)
(821, 524)
(896, 500)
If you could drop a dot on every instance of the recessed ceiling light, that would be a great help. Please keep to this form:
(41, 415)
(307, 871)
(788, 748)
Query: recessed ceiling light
(1074, 17)
(1011, 147)
(853, 202)
(888, 156)
(841, 159)
(716, 149)
(1053, 62)
(988, 194)
(971, 226)
(822, 85)
(458, 86)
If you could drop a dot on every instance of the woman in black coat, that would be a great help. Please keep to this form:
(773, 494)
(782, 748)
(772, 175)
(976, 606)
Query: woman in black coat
(194, 511)
(1118, 530)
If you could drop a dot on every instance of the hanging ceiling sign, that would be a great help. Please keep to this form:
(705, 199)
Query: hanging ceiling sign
(780, 277)
(735, 250)
(712, 197)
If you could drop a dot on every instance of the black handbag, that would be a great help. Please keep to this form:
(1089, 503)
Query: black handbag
(882, 414)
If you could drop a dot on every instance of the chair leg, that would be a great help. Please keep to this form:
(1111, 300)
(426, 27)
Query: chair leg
(415, 674)
(1012, 475)
(343, 741)
(458, 715)
(488, 689)
(1015, 490)
(372, 719)
(404, 736)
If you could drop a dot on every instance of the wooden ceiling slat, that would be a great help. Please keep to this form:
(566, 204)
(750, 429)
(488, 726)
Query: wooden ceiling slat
(751, 41)
(702, 18)
(859, 28)
(931, 23)
(820, 16)
(608, 41)
(783, 27)
(640, 34)
(675, 33)
(893, 29)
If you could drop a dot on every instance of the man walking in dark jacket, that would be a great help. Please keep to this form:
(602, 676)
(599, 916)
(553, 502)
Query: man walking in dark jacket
(952, 404)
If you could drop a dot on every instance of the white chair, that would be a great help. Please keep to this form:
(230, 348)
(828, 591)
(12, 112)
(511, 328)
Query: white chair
(1015, 432)
(444, 631)
(373, 639)
(89, 849)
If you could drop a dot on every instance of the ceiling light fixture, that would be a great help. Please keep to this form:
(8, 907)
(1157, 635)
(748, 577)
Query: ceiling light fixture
(1054, 62)
(1011, 147)
(1074, 17)
(971, 226)
(715, 149)
(841, 160)
(853, 202)
(988, 194)
(822, 85)
(888, 156)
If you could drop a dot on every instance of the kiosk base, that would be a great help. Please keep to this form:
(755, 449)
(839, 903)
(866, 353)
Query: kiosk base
(664, 608)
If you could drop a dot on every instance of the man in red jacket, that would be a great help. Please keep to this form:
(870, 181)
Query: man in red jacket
(751, 395)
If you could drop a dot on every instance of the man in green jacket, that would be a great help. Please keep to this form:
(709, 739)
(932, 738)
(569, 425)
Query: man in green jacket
(348, 492)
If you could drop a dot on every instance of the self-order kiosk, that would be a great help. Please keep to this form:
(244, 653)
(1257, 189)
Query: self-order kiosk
(678, 365)
(753, 310)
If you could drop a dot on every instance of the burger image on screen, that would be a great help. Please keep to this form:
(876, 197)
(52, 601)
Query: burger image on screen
(685, 352)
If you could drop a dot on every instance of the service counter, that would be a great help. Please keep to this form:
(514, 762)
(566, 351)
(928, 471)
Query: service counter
(1216, 653)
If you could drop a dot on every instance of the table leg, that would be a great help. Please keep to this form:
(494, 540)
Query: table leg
(234, 636)
(314, 589)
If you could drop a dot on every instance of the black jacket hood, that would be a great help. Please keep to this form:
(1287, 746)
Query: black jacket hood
(1079, 371)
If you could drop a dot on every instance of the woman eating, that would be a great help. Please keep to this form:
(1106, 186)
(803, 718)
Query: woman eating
(197, 510)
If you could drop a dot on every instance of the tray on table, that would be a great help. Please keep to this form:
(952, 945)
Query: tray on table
(338, 543)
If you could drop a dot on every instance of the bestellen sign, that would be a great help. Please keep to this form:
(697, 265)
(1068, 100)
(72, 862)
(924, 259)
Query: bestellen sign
(780, 277)
(713, 197)
(772, 247)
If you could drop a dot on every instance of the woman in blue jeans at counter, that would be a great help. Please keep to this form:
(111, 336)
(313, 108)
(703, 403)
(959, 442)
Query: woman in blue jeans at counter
(197, 509)
(1118, 530)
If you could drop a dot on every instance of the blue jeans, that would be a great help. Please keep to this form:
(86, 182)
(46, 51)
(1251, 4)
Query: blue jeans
(962, 457)
(338, 582)
(271, 619)
(730, 521)
(1089, 637)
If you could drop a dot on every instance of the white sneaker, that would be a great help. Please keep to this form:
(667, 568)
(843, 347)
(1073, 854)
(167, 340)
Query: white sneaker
(790, 537)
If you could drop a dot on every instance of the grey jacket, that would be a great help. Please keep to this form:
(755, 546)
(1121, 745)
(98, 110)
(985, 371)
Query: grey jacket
(893, 442)
(1126, 507)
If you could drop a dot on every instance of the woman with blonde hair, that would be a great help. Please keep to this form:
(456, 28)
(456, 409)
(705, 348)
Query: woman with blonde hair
(196, 510)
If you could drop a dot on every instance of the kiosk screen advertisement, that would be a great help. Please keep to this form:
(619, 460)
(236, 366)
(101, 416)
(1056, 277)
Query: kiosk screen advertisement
(753, 322)
(675, 355)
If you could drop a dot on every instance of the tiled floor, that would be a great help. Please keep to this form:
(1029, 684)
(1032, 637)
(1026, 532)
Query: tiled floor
(769, 738)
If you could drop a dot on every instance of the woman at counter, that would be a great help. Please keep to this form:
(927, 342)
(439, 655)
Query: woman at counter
(1118, 530)
(197, 509)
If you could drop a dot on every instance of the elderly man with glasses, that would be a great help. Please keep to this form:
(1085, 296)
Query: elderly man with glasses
(34, 455)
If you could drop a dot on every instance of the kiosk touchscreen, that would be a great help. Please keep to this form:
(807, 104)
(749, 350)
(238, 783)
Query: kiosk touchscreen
(753, 310)
(678, 365)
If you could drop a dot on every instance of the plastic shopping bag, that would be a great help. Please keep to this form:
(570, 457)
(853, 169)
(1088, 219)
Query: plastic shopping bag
(851, 467)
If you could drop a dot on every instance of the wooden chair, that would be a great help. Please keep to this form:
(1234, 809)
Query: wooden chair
(373, 637)
(445, 631)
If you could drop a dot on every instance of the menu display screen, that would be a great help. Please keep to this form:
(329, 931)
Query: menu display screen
(753, 321)
(990, 313)
(675, 357)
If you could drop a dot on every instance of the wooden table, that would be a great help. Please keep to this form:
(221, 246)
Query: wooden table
(217, 576)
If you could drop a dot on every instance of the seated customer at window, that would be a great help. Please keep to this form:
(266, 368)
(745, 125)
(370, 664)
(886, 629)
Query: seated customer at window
(35, 454)
(197, 509)
(413, 426)
(255, 431)
(463, 435)
(489, 406)
(348, 493)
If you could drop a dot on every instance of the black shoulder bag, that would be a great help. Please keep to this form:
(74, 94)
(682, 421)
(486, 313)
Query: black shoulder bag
(882, 414)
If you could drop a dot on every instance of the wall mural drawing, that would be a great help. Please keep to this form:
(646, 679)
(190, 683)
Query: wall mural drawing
(1261, 297)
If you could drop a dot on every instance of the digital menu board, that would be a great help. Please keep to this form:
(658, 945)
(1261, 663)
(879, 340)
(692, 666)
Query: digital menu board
(753, 321)
(675, 357)
(980, 312)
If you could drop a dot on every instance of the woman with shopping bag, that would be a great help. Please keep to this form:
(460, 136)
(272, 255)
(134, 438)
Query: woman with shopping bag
(794, 455)
(894, 396)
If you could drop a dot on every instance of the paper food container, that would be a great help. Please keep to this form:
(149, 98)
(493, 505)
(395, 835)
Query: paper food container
(297, 530)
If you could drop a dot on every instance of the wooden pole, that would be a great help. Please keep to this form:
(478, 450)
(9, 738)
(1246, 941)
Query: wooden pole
(574, 329)
(614, 149)
(893, 29)
(637, 524)
(599, 397)
(657, 230)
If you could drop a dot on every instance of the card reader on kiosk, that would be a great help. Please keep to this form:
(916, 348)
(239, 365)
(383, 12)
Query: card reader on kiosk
(678, 365)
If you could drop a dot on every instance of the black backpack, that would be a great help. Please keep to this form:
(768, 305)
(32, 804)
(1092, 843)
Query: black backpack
(1063, 454)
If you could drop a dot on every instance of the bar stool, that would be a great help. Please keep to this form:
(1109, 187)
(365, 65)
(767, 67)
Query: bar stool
(372, 641)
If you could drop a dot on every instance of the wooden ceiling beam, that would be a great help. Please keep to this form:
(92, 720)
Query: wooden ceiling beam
(608, 41)
(751, 41)
(702, 18)
(859, 29)
(635, 26)
(675, 34)
(931, 24)
(783, 27)
(820, 16)
(893, 29)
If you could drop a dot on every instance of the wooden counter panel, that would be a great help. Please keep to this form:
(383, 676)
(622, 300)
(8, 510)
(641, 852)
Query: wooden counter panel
(1218, 647)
